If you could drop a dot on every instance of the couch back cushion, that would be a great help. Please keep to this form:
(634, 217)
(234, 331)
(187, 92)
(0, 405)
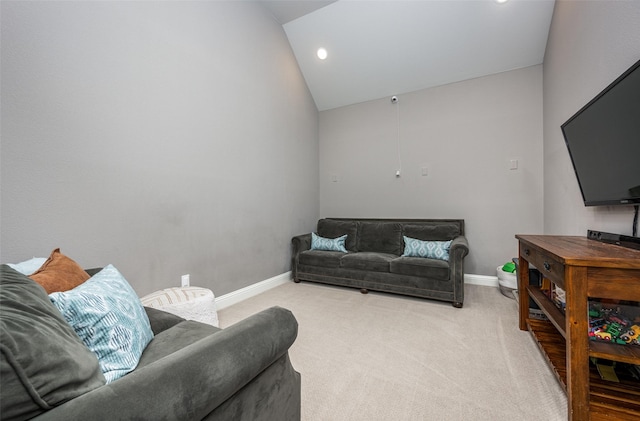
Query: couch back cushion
(44, 363)
(382, 237)
(432, 231)
(331, 228)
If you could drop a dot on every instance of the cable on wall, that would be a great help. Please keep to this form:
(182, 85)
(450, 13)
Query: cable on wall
(394, 100)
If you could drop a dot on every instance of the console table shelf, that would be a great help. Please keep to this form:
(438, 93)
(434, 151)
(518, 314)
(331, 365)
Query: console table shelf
(623, 354)
(555, 315)
(607, 400)
(584, 269)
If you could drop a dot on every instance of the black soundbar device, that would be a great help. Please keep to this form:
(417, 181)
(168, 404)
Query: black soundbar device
(617, 239)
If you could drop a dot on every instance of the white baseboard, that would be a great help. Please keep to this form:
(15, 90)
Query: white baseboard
(487, 281)
(234, 297)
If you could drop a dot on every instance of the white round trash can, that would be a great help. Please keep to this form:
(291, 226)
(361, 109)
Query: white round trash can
(191, 303)
(507, 281)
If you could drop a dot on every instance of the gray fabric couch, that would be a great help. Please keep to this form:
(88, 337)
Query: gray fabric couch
(189, 371)
(374, 258)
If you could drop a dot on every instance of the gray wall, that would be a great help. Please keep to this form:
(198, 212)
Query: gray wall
(163, 137)
(590, 44)
(465, 134)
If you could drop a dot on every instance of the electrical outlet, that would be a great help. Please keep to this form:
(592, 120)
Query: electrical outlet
(185, 280)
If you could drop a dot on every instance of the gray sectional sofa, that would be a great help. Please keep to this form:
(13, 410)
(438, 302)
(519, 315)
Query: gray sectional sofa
(189, 371)
(374, 257)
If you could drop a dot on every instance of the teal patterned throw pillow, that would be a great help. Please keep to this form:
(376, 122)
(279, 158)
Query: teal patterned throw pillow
(428, 249)
(109, 318)
(329, 244)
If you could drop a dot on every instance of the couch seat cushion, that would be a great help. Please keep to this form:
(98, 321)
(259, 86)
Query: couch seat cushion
(419, 266)
(381, 237)
(323, 258)
(377, 262)
(44, 363)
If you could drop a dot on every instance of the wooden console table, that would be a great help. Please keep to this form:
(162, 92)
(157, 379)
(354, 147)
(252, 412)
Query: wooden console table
(583, 268)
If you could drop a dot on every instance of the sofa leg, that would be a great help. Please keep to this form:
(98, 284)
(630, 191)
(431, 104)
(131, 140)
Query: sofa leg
(364, 290)
(457, 304)
(296, 280)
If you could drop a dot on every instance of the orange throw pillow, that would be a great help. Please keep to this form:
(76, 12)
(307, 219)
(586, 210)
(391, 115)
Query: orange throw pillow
(59, 273)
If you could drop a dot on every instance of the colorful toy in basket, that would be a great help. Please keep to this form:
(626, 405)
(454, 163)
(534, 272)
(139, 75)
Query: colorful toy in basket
(631, 335)
(608, 323)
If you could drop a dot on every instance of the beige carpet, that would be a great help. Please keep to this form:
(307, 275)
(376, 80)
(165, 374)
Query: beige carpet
(387, 357)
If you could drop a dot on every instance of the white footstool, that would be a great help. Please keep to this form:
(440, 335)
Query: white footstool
(191, 303)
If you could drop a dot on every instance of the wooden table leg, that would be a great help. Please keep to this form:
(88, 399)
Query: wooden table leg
(577, 341)
(523, 295)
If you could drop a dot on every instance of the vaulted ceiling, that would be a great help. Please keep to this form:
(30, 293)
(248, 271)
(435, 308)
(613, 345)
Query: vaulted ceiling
(382, 48)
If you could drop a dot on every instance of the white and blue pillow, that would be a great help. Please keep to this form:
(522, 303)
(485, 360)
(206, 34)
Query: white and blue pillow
(329, 244)
(108, 316)
(427, 249)
(28, 266)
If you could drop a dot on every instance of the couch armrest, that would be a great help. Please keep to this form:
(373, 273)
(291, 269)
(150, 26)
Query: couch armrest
(191, 382)
(459, 246)
(458, 250)
(299, 244)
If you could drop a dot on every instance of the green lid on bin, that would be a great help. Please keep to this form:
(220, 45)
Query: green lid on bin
(509, 267)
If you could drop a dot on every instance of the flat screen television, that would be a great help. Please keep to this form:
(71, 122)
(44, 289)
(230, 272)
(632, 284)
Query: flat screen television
(603, 139)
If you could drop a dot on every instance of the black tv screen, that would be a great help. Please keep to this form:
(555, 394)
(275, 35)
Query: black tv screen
(603, 139)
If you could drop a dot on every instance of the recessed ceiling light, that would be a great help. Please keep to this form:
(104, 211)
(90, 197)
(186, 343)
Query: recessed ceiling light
(501, 1)
(322, 53)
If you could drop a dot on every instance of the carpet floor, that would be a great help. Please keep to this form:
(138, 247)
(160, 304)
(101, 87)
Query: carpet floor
(388, 357)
